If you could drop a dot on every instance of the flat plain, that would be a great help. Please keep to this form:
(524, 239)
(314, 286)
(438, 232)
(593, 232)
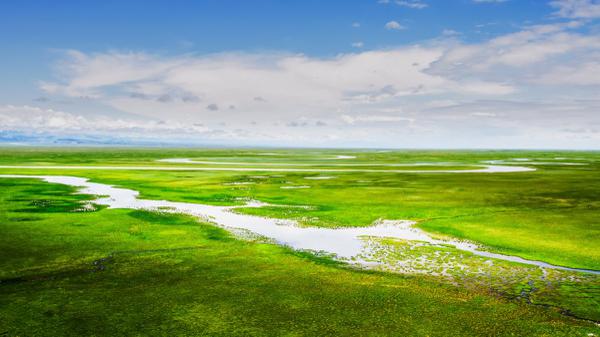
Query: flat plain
(71, 266)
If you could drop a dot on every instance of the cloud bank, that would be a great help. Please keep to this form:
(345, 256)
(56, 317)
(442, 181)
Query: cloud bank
(536, 87)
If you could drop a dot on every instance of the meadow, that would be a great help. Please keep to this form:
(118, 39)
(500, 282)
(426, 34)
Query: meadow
(68, 269)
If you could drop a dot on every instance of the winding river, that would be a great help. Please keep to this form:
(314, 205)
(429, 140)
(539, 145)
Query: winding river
(347, 244)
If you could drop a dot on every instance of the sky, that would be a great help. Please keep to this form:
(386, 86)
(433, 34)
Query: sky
(304, 73)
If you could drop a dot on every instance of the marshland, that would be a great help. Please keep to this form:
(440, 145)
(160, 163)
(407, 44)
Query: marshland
(445, 249)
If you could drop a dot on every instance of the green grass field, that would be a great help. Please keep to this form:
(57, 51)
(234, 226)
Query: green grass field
(126, 272)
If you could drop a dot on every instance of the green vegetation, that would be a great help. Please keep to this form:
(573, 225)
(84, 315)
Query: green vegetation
(576, 294)
(123, 272)
(75, 270)
(550, 214)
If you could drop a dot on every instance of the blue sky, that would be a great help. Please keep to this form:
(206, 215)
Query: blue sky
(369, 73)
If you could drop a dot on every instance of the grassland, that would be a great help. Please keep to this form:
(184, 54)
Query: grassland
(124, 272)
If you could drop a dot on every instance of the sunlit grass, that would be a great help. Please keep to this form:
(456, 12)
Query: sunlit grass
(123, 272)
(550, 214)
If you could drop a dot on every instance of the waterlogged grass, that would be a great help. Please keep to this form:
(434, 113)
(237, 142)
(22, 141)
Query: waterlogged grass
(123, 272)
(127, 156)
(550, 214)
(576, 294)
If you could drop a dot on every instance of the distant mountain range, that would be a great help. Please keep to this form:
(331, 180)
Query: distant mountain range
(9, 137)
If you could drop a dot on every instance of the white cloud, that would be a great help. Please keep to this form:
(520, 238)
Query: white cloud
(375, 119)
(358, 44)
(33, 118)
(577, 9)
(443, 91)
(489, 1)
(89, 72)
(296, 84)
(355, 24)
(587, 73)
(484, 114)
(290, 85)
(528, 56)
(394, 25)
(412, 4)
(450, 32)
